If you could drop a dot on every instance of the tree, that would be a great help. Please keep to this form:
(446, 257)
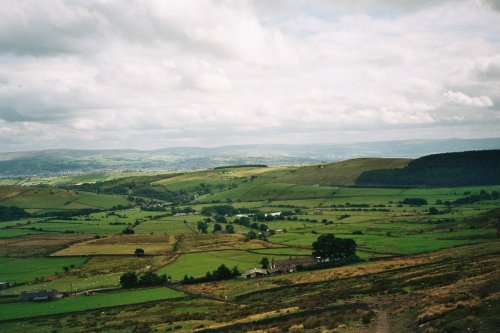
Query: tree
(329, 247)
(263, 227)
(12, 213)
(128, 280)
(250, 235)
(222, 273)
(139, 252)
(202, 227)
(230, 228)
(152, 279)
(220, 219)
(264, 262)
(217, 227)
(433, 211)
(415, 201)
(128, 231)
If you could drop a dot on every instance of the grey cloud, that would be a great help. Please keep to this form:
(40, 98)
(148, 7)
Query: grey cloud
(48, 27)
(162, 73)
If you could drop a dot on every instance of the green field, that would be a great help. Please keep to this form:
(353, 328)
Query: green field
(18, 310)
(68, 284)
(46, 199)
(198, 264)
(16, 270)
(313, 202)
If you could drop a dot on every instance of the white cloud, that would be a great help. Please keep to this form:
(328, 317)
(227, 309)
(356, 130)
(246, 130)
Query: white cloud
(462, 99)
(156, 73)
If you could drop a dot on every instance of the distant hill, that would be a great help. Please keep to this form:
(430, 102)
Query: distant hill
(68, 161)
(449, 169)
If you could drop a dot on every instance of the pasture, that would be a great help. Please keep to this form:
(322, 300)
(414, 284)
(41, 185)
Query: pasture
(17, 270)
(19, 310)
(199, 263)
(83, 252)
(39, 199)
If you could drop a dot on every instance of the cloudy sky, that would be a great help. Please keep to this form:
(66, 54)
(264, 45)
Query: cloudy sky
(150, 74)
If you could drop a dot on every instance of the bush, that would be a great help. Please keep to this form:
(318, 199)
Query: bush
(128, 280)
(415, 201)
(311, 322)
(128, 231)
(433, 211)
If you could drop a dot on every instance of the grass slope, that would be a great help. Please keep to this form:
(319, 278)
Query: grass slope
(27, 269)
(342, 173)
(81, 303)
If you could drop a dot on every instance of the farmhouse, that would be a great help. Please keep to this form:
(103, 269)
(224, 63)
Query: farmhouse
(254, 273)
(291, 264)
(39, 295)
(4, 285)
(273, 214)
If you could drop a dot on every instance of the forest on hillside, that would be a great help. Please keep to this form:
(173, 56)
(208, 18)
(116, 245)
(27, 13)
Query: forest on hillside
(448, 169)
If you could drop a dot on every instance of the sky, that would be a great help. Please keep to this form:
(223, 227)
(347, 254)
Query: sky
(149, 74)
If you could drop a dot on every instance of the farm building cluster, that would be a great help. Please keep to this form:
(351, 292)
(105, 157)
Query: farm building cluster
(39, 296)
(281, 267)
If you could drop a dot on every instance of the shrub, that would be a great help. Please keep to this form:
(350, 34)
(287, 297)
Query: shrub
(415, 201)
(128, 231)
(128, 280)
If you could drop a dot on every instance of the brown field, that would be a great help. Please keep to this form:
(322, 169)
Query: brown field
(201, 242)
(120, 245)
(36, 245)
(235, 287)
(114, 264)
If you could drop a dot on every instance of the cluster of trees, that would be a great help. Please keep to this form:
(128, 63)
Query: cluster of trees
(221, 273)
(148, 279)
(414, 201)
(229, 228)
(449, 169)
(202, 227)
(483, 195)
(246, 222)
(263, 232)
(328, 247)
(65, 214)
(12, 213)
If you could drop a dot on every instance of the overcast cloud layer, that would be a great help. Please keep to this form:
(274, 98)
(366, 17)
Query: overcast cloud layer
(152, 74)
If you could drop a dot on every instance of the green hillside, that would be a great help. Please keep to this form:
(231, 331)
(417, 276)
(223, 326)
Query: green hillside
(44, 198)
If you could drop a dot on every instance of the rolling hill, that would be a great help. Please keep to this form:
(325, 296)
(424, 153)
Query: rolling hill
(68, 161)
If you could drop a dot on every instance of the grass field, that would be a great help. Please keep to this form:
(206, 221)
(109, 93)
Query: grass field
(68, 283)
(198, 264)
(16, 270)
(96, 253)
(41, 199)
(72, 304)
(7, 233)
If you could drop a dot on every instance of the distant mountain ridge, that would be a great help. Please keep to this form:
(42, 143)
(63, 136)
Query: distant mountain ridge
(61, 161)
